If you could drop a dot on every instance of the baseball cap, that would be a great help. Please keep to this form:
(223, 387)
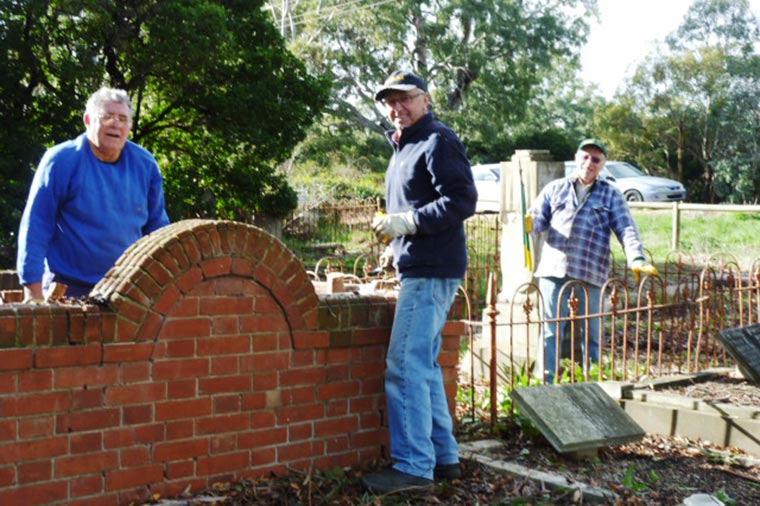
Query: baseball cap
(402, 81)
(593, 142)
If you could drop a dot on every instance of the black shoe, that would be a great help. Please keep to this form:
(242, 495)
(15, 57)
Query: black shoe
(392, 481)
(447, 472)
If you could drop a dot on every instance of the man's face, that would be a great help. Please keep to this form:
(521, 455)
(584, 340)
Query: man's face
(405, 108)
(108, 130)
(590, 161)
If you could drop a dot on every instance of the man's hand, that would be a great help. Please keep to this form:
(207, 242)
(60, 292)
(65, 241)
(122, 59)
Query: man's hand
(528, 223)
(641, 267)
(388, 226)
(33, 293)
(386, 259)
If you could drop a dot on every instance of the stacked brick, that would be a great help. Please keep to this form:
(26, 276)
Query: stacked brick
(205, 356)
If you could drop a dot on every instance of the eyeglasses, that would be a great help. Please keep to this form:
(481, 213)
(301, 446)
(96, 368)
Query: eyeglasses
(595, 159)
(110, 119)
(393, 102)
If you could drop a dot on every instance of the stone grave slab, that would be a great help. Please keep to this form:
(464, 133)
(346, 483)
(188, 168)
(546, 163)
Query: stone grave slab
(743, 343)
(577, 417)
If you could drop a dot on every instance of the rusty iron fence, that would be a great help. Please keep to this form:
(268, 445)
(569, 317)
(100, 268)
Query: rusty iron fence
(663, 326)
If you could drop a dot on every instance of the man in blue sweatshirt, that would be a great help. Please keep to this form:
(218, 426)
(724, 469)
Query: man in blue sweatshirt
(429, 194)
(91, 198)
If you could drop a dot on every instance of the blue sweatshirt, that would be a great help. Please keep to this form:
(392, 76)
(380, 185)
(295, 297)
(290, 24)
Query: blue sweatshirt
(83, 213)
(430, 173)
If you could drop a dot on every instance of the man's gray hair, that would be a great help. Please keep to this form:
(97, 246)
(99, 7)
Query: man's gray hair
(105, 94)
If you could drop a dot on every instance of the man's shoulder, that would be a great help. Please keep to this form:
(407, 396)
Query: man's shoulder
(140, 153)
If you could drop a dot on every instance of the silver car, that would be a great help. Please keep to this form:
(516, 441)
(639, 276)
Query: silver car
(488, 183)
(635, 184)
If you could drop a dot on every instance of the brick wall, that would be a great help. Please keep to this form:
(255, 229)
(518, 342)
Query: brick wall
(206, 356)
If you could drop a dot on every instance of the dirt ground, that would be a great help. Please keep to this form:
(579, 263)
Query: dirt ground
(656, 471)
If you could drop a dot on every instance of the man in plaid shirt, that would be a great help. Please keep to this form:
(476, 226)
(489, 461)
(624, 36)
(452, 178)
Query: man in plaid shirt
(578, 214)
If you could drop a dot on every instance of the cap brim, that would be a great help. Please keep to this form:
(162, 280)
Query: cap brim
(398, 87)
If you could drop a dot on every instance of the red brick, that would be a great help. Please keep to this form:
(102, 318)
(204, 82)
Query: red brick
(127, 478)
(133, 457)
(224, 346)
(69, 377)
(338, 390)
(180, 429)
(46, 402)
(15, 360)
(87, 399)
(180, 469)
(219, 424)
(87, 485)
(223, 443)
(180, 348)
(127, 352)
(301, 413)
(134, 372)
(181, 368)
(186, 327)
(304, 376)
(36, 427)
(135, 415)
(299, 432)
(227, 404)
(221, 305)
(309, 340)
(210, 466)
(35, 380)
(173, 410)
(263, 438)
(8, 383)
(7, 477)
(334, 426)
(224, 365)
(180, 450)
(29, 472)
(224, 384)
(86, 443)
(297, 451)
(8, 430)
(78, 465)
(269, 361)
(89, 354)
(182, 389)
(97, 419)
(39, 493)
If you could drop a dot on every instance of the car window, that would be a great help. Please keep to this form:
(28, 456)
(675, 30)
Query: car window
(623, 170)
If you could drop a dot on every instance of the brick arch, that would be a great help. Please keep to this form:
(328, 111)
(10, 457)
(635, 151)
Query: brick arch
(160, 269)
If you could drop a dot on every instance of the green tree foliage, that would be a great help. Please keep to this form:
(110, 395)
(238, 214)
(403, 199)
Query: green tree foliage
(484, 60)
(693, 107)
(218, 97)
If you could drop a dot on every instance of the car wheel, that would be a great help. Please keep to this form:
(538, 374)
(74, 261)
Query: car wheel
(633, 196)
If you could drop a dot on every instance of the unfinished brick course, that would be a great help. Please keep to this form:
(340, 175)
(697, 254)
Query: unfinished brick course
(206, 356)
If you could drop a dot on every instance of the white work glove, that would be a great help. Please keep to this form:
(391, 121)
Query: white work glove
(388, 226)
(642, 267)
(386, 259)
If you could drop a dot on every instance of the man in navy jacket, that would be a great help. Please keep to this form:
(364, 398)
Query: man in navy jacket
(429, 194)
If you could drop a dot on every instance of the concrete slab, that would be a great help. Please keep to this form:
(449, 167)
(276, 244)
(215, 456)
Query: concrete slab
(577, 417)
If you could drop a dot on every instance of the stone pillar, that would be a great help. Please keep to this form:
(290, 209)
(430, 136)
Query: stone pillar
(518, 336)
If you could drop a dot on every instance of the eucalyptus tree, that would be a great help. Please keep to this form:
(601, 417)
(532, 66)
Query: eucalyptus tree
(485, 60)
(218, 97)
(698, 97)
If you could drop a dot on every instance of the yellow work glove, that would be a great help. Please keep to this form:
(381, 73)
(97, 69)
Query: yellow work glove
(528, 223)
(641, 267)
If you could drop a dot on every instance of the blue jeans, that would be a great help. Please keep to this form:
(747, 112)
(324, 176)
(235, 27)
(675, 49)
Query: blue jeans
(421, 428)
(554, 308)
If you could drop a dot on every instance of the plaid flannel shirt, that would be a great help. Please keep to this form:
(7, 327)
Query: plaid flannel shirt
(578, 239)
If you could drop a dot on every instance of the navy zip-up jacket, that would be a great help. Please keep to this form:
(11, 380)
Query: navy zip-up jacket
(430, 174)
